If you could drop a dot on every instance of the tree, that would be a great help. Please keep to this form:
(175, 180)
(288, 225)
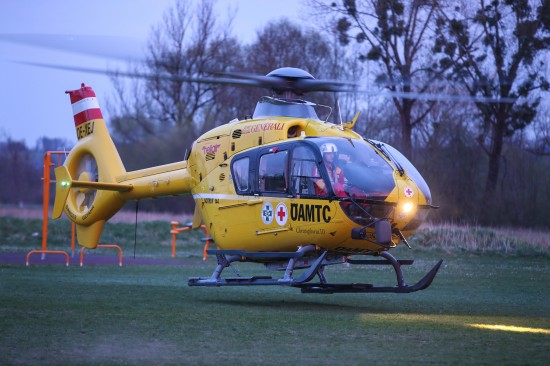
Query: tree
(540, 144)
(189, 42)
(495, 53)
(282, 43)
(20, 175)
(394, 34)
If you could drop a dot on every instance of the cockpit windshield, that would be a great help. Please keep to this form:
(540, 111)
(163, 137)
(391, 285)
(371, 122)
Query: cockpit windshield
(355, 169)
(268, 107)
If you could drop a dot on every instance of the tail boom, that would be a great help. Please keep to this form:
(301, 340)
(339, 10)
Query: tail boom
(165, 180)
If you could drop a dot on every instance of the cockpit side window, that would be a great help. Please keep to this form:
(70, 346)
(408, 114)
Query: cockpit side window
(272, 173)
(303, 171)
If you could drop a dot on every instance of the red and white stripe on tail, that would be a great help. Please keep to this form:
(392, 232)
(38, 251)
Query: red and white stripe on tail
(85, 110)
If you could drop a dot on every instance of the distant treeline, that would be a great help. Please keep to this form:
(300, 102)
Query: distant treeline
(455, 173)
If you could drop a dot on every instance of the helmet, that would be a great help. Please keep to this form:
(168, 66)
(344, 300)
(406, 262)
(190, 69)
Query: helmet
(329, 148)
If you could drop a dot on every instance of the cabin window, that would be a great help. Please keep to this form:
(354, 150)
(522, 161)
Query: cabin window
(241, 173)
(272, 172)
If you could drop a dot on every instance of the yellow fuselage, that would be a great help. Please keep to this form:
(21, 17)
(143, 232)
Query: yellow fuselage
(235, 221)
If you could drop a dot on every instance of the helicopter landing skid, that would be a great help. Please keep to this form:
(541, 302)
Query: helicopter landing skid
(226, 257)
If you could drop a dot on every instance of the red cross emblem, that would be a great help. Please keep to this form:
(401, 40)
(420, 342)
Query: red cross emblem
(282, 214)
(409, 192)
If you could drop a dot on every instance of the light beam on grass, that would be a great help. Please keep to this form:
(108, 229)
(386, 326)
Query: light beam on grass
(455, 320)
(510, 328)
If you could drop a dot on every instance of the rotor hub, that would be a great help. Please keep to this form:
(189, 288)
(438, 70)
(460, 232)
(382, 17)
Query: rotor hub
(291, 73)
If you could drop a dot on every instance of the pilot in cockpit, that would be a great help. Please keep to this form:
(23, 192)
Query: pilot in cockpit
(336, 175)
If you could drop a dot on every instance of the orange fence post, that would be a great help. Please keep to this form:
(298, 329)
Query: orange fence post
(208, 240)
(112, 246)
(73, 227)
(49, 252)
(174, 233)
(46, 200)
(46, 206)
(176, 230)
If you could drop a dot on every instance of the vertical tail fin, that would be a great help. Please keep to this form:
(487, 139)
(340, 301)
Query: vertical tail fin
(86, 110)
(93, 159)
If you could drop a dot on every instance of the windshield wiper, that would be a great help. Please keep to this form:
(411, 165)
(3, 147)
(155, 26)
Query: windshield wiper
(382, 148)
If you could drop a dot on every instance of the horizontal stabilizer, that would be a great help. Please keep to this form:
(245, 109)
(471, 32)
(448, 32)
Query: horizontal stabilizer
(64, 183)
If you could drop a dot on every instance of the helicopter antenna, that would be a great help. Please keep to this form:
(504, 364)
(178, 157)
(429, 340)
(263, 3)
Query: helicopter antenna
(327, 107)
(340, 114)
(65, 153)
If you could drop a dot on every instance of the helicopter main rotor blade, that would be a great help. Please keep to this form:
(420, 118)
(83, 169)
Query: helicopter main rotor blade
(278, 84)
(435, 97)
(269, 82)
(91, 70)
(113, 47)
(293, 79)
(260, 81)
(325, 85)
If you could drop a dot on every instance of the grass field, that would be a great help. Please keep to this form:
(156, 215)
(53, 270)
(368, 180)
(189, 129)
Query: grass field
(105, 314)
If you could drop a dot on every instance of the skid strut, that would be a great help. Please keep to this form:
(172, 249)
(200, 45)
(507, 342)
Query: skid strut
(315, 267)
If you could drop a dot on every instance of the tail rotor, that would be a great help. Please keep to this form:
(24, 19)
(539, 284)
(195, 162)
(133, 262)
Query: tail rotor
(87, 171)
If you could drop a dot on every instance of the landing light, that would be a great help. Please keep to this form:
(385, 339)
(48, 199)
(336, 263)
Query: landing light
(407, 207)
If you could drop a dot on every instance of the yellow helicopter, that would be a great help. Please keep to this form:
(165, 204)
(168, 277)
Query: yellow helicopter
(281, 188)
